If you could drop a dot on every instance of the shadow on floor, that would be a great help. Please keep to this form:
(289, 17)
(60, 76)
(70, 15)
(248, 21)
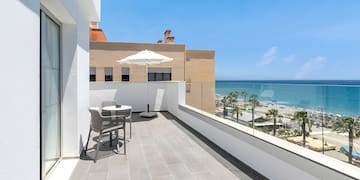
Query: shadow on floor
(105, 150)
(223, 157)
(137, 118)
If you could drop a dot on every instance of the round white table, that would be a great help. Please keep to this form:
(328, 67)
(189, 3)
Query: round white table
(117, 108)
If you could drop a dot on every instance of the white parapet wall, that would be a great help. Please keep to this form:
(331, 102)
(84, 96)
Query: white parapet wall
(135, 94)
(270, 156)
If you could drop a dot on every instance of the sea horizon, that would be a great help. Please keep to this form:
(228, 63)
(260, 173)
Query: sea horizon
(330, 96)
(291, 81)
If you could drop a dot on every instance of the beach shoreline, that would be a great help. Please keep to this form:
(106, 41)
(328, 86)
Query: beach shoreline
(287, 111)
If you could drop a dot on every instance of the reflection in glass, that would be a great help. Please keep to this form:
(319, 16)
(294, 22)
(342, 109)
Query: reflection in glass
(50, 91)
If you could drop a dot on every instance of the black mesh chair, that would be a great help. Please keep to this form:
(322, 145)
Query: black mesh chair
(105, 124)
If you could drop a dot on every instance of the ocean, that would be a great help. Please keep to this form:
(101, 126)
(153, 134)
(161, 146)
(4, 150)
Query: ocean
(331, 96)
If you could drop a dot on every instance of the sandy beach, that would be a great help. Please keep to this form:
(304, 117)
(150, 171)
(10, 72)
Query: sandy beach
(286, 111)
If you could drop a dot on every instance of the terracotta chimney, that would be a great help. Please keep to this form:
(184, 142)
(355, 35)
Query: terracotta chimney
(159, 42)
(96, 33)
(170, 40)
(166, 35)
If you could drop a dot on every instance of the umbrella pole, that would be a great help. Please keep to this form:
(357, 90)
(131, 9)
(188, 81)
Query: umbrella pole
(147, 88)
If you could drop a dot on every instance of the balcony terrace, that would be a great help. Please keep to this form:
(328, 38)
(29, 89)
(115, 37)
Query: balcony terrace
(184, 142)
(162, 148)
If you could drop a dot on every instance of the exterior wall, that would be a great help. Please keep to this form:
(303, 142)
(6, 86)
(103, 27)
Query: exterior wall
(195, 65)
(75, 55)
(19, 75)
(21, 112)
(105, 54)
(200, 78)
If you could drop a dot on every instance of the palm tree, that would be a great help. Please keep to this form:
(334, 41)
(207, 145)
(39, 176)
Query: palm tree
(244, 94)
(254, 102)
(225, 103)
(302, 117)
(273, 113)
(237, 109)
(349, 125)
(310, 124)
(233, 97)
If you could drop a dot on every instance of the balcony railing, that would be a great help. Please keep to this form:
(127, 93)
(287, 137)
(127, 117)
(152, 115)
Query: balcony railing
(288, 111)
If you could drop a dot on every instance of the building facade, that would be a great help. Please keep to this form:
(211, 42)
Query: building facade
(47, 41)
(196, 67)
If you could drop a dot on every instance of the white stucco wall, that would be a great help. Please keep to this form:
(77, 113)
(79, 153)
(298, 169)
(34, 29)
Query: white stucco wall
(75, 67)
(20, 76)
(19, 92)
(134, 94)
(83, 86)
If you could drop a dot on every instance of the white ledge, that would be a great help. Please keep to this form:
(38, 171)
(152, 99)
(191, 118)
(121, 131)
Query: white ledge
(323, 160)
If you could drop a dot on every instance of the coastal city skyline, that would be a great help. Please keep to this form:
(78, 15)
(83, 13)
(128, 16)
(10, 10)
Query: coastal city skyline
(253, 40)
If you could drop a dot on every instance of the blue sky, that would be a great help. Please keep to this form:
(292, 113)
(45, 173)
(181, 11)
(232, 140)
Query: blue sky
(253, 39)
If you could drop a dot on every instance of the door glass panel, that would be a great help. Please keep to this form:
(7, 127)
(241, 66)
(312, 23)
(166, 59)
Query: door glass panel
(50, 92)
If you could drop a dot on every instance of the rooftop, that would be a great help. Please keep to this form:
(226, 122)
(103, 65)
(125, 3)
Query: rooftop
(162, 148)
(97, 35)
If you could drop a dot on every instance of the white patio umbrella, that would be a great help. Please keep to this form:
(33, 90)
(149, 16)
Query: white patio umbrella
(145, 58)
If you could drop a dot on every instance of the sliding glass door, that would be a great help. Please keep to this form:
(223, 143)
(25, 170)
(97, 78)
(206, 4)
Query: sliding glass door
(50, 93)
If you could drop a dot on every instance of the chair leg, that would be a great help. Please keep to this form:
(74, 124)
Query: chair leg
(88, 139)
(110, 139)
(117, 134)
(98, 146)
(124, 138)
(130, 126)
(118, 139)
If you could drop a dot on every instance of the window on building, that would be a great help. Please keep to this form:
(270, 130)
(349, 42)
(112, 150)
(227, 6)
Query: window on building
(151, 76)
(159, 74)
(125, 71)
(92, 74)
(108, 73)
(167, 77)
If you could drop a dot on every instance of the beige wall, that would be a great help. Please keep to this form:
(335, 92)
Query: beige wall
(105, 54)
(195, 66)
(200, 78)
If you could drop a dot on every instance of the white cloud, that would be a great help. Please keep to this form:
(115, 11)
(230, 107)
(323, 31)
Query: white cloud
(289, 59)
(311, 67)
(269, 56)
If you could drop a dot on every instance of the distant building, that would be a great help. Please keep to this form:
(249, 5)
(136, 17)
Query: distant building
(196, 67)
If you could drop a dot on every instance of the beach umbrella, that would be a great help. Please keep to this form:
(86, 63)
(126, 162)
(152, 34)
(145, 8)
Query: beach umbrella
(145, 58)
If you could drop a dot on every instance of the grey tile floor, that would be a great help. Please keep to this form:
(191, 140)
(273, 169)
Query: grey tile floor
(161, 148)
